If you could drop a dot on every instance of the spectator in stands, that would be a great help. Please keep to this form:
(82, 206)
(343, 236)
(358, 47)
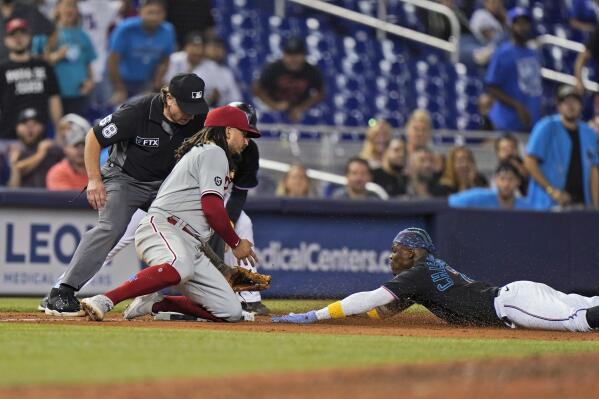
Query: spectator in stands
(418, 131)
(378, 135)
(188, 16)
(215, 50)
(290, 85)
(295, 183)
(562, 157)
(139, 51)
(11, 9)
(461, 172)
(70, 174)
(514, 78)
(219, 91)
(485, 102)
(504, 196)
(391, 175)
(25, 82)
(97, 18)
(358, 174)
(66, 125)
(422, 182)
(591, 52)
(438, 25)
(34, 155)
(70, 50)
(584, 15)
(507, 150)
(488, 27)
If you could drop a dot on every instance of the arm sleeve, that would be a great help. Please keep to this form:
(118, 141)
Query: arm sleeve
(118, 126)
(539, 140)
(236, 203)
(246, 173)
(216, 216)
(357, 303)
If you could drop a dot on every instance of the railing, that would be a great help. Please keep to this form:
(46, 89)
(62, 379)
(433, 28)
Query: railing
(561, 77)
(321, 176)
(451, 46)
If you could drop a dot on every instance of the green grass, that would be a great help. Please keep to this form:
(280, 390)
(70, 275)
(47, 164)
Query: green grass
(59, 354)
(32, 353)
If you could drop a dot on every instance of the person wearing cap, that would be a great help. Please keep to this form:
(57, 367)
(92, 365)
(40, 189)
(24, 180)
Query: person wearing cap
(143, 135)
(562, 157)
(219, 89)
(188, 209)
(290, 85)
(504, 196)
(38, 23)
(513, 78)
(33, 155)
(139, 51)
(421, 277)
(25, 82)
(70, 174)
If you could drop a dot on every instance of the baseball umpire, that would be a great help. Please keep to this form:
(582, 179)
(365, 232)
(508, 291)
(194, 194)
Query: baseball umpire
(143, 135)
(188, 208)
(422, 278)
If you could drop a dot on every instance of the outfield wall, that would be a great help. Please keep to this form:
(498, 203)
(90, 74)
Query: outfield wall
(320, 248)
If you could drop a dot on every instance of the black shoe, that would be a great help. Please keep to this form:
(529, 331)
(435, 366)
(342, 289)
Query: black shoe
(63, 303)
(43, 304)
(256, 307)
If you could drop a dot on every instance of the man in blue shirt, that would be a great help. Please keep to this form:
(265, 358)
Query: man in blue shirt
(514, 78)
(562, 157)
(507, 180)
(139, 51)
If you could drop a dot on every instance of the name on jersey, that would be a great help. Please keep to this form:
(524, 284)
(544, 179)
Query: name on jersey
(147, 141)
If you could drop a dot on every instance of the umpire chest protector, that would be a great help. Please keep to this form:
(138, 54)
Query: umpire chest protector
(142, 140)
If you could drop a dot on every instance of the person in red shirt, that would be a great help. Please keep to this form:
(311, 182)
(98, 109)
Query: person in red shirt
(69, 174)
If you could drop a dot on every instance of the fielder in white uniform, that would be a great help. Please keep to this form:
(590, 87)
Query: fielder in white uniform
(189, 204)
(422, 278)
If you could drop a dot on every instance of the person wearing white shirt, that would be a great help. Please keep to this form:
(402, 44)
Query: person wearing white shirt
(221, 88)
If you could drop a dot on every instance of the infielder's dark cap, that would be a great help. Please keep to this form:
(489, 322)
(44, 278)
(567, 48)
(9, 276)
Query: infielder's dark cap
(189, 89)
(229, 116)
(565, 91)
(414, 237)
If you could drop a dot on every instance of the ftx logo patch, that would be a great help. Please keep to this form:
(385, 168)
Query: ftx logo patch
(147, 142)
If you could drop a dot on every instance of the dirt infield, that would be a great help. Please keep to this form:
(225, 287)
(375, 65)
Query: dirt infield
(407, 324)
(549, 378)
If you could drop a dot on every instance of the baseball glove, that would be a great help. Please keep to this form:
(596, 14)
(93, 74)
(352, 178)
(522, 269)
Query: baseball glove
(242, 279)
(239, 279)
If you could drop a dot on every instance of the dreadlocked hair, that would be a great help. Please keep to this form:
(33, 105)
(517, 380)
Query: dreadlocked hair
(216, 135)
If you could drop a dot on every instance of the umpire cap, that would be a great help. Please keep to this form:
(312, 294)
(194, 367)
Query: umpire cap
(189, 89)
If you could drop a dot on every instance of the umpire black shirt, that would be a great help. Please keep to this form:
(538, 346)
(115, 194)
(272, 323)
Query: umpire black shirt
(447, 293)
(143, 140)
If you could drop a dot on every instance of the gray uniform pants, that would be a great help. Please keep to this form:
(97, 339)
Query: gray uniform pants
(124, 196)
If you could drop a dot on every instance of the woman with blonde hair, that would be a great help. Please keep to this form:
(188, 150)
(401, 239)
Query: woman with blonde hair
(378, 136)
(295, 183)
(418, 130)
(461, 172)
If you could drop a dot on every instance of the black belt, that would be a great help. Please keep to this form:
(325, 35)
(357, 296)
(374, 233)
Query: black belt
(185, 227)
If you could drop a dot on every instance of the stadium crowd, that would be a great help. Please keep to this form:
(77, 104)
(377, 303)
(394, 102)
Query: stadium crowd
(66, 63)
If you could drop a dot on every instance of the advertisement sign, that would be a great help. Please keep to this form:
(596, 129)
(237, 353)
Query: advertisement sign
(36, 246)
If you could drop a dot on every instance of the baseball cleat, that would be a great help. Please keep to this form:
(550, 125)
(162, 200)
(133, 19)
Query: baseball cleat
(142, 305)
(63, 303)
(96, 307)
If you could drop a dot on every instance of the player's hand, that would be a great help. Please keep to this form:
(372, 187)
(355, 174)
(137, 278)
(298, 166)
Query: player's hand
(244, 253)
(96, 193)
(299, 318)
